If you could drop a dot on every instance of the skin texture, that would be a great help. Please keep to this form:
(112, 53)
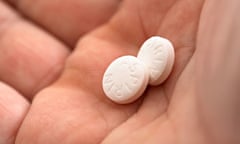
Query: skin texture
(199, 102)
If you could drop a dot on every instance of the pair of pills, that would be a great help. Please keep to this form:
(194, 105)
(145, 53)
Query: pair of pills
(127, 77)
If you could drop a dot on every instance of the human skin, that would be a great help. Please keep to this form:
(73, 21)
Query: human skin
(199, 102)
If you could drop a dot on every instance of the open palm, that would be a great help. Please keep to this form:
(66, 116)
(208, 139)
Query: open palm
(74, 109)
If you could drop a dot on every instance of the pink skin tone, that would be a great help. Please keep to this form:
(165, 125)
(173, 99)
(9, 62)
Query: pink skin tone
(52, 94)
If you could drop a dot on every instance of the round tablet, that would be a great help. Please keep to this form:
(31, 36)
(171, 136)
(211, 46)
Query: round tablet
(158, 55)
(125, 79)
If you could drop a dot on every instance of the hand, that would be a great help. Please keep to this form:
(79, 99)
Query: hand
(196, 104)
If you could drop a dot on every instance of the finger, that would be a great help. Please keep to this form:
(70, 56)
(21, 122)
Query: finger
(30, 58)
(13, 108)
(68, 19)
(217, 61)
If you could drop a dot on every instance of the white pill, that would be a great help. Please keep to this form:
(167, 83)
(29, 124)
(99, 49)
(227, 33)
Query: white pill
(125, 79)
(158, 55)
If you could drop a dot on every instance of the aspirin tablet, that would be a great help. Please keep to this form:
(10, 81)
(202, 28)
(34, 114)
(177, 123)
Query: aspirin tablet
(125, 79)
(158, 55)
